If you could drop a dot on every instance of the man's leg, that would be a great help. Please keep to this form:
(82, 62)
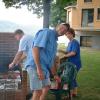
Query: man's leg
(44, 92)
(40, 87)
(46, 86)
(36, 94)
(35, 83)
(75, 85)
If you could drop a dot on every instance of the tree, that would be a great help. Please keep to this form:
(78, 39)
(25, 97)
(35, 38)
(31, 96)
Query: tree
(58, 13)
(39, 7)
(46, 14)
(42, 8)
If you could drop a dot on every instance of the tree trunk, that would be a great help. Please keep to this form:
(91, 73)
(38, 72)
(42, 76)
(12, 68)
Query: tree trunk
(46, 13)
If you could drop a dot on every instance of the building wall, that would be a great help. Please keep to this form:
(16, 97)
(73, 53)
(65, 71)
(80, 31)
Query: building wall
(95, 37)
(8, 48)
(77, 13)
(69, 16)
(76, 21)
(94, 3)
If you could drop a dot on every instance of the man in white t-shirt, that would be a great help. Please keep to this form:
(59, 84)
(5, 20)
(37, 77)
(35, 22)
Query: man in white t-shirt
(25, 47)
(24, 51)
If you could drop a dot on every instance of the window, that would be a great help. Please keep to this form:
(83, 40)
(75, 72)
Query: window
(87, 0)
(87, 17)
(98, 14)
(86, 41)
(69, 17)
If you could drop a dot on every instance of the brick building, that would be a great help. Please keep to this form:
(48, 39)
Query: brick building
(8, 49)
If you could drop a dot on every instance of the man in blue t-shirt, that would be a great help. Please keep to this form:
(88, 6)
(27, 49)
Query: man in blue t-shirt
(44, 53)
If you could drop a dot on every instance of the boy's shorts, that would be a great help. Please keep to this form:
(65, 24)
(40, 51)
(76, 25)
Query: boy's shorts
(35, 83)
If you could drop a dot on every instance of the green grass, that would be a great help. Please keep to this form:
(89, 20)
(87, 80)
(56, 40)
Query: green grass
(89, 76)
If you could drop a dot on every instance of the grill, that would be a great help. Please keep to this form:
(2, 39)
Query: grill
(9, 84)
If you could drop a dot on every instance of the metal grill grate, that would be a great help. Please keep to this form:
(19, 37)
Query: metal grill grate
(10, 83)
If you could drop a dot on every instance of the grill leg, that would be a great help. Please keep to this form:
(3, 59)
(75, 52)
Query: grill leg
(58, 96)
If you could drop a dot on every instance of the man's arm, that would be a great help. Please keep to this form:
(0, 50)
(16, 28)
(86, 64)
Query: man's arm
(54, 73)
(37, 62)
(22, 57)
(17, 59)
(54, 69)
(56, 65)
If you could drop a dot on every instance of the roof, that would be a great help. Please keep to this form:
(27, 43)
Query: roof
(6, 32)
(70, 7)
(87, 29)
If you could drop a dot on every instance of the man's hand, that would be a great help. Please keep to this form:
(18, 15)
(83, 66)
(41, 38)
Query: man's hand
(57, 78)
(40, 74)
(11, 65)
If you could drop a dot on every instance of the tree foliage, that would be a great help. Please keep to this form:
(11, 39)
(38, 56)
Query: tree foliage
(58, 13)
(39, 7)
(42, 8)
(35, 5)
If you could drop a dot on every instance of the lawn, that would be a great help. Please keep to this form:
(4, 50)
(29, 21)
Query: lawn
(89, 76)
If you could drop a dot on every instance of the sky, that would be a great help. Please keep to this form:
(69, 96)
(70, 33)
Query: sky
(20, 16)
(23, 17)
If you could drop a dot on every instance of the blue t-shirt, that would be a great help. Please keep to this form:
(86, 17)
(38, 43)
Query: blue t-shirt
(46, 41)
(25, 45)
(75, 47)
